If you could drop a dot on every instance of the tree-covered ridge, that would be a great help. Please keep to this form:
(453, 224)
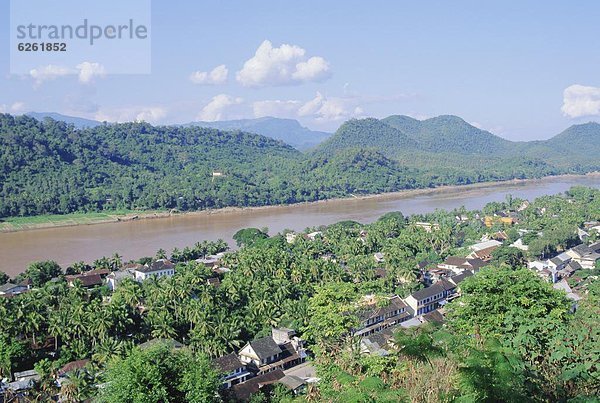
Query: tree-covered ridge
(509, 337)
(50, 167)
(450, 134)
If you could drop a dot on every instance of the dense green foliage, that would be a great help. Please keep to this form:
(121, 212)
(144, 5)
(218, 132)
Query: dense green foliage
(509, 337)
(160, 374)
(50, 167)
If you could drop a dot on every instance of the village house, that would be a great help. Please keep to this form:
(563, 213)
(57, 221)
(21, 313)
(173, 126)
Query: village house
(232, 369)
(435, 274)
(427, 226)
(558, 262)
(430, 298)
(159, 268)
(10, 289)
(70, 367)
(483, 254)
(283, 349)
(375, 318)
(585, 255)
(378, 343)
(115, 278)
(86, 280)
(459, 264)
(242, 392)
(211, 261)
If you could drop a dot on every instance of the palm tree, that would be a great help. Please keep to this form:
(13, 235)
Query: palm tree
(76, 387)
(116, 262)
(32, 324)
(56, 326)
(161, 254)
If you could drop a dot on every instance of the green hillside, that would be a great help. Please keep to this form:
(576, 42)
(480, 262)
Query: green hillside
(50, 167)
(368, 133)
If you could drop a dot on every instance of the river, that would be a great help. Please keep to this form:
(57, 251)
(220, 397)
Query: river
(134, 239)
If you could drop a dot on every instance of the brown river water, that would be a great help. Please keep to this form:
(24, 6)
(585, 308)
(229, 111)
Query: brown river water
(135, 239)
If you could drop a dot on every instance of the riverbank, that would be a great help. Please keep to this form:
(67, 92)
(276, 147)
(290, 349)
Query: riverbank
(17, 224)
(135, 238)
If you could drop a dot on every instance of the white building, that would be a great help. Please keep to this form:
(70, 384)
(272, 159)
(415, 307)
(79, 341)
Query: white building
(159, 268)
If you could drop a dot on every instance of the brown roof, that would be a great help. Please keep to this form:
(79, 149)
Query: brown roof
(157, 265)
(455, 261)
(244, 391)
(100, 272)
(72, 366)
(228, 363)
(483, 253)
(86, 280)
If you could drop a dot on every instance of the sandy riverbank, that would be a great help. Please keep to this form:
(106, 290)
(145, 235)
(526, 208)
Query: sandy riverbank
(82, 219)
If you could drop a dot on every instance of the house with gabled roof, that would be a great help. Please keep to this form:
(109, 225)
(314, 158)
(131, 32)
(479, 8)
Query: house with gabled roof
(86, 280)
(459, 264)
(585, 255)
(243, 392)
(374, 318)
(233, 370)
(159, 268)
(430, 298)
(10, 289)
(484, 254)
(282, 349)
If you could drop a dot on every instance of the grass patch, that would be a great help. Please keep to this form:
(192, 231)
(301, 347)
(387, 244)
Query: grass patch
(49, 220)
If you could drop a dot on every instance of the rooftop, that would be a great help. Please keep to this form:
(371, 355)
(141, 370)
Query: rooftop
(265, 347)
(432, 290)
(228, 363)
(157, 265)
(243, 391)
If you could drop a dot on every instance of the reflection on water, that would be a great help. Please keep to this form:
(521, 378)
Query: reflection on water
(134, 239)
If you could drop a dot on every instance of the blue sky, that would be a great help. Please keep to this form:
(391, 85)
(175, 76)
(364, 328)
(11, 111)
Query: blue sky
(521, 69)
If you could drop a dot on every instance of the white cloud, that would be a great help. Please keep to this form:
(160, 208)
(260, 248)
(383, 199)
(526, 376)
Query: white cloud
(15, 107)
(331, 108)
(151, 114)
(320, 108)
(218, 75)
(314, 69)
(88, 71)
(49, 72)
(581, 100)
(284, 65)
(217, 108)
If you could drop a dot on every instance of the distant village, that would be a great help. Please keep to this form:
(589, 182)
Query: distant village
(282, 357)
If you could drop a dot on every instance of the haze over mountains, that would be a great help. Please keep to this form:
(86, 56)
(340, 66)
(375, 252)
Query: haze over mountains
(53, 167)
(287, 130)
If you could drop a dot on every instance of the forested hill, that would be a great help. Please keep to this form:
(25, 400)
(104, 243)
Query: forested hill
(451, 144)
(50, 167)
(449, 134)
(399, 135)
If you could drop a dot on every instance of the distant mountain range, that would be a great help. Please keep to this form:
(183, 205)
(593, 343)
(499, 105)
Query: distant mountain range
(79, 123)
(287, 130)
(450, 142)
